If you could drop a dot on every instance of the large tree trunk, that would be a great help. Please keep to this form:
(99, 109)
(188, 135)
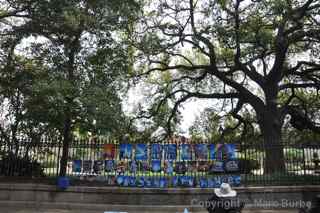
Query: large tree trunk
(271, 125)
(65, 149)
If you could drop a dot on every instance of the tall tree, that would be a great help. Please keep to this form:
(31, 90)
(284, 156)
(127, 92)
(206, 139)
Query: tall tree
(83, 58)
(246, 53)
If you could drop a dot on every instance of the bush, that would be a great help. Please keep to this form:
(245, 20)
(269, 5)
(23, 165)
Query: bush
(13, 165)
(246, 166)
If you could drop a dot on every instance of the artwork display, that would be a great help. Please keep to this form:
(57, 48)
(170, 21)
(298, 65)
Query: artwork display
(77, 166)
(141, 152)
(170, 151)
(186, 152)
(201, 151)
(156, 151)
(193, 165)
(125, 151)
(109, 151)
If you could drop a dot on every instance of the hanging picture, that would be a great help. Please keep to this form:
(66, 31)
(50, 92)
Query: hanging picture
(109, 151)
(220, 152)
(87, 166)
(186, 152)
(121, 167)
(163, 183)
(109, 165)
(156, 151)
(212, 151)
(148, 182)
(143, 166)
(133, 166)
(156, 165)
(203, 166)
(111, 180)
(132, 181)
(230, 151)
(175, 181)
(192, 166)
(231, 166)
(180, 168)
(125, 151)
(170, 151)
(236, 180)
(76, 166)
(201, 151)
(140, 181)
(168, 167)
(155, 182)
(216, 167)
(203, 182)
(120, 180)
(98, 166)
(141, 152)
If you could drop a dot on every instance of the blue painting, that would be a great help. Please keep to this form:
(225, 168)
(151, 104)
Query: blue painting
(186, 152)
(168, 167)
(133, 166)
(212, 151)
(77, 165)
(201, 151)
(156, 165)
(141, 152)
(230, 151)
(156, 151)
(109, 165)
(125, 151)
(170, 151)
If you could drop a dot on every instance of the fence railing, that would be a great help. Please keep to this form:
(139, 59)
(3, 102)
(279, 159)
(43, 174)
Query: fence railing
(174, 163)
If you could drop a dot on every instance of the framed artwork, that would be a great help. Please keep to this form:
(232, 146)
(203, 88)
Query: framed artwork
(201, 151)
(230, 151)
(217, 167)
(125, 151)
(168, 167)
(186, 152)
(203, 166)
(170, 151)
(212, 151)
(98, 166)
(109, 151)
(192, 166)
(141, 152)
(109, 165)
(133, 166)
(156, 151)
(156, 166)
(231, 166)
(180, 168)
(87, 166)
(76, 166)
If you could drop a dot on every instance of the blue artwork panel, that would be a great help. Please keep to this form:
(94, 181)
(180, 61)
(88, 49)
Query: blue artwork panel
(141, 152)
(212, 151)
(168, 167)
(133, 166)
(156, 151)
(170, 151)
(109, 165)
(201, 151)
(125, 151)
(230, 151)
(77, 165)
(156, 165)
(186, 152)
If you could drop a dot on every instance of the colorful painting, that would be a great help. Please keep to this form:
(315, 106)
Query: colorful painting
(109, 151)
(186, 152)
(156, 151)
(125, 151)
(170, 151)
(230, 151)
(141, 152)
(156, 165)
(203, 166)
(168, 167)
(77, 165)
(217, 167)
(121, 167)
(201, 151)
(87, 166)
(109, 165)
(212, 151)
(133, 166)
(192, 166)
(180, 168)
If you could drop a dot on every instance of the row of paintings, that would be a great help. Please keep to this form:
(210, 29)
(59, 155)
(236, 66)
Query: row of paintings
(175, 181)
(169, 151)
(169, 167)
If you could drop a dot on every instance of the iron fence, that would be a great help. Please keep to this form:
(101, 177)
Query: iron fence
(173, 163)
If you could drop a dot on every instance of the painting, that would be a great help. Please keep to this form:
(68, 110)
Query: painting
(125, 151)
(76, 166)
(201, 151)
(156, 151)
(141, 152)
(109, 165)
(186, 152)
(109, 151)
(170, 151)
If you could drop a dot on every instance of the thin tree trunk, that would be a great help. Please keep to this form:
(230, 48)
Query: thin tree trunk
(65, 147)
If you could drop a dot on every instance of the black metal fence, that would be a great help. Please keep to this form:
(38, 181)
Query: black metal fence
(174, 163)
